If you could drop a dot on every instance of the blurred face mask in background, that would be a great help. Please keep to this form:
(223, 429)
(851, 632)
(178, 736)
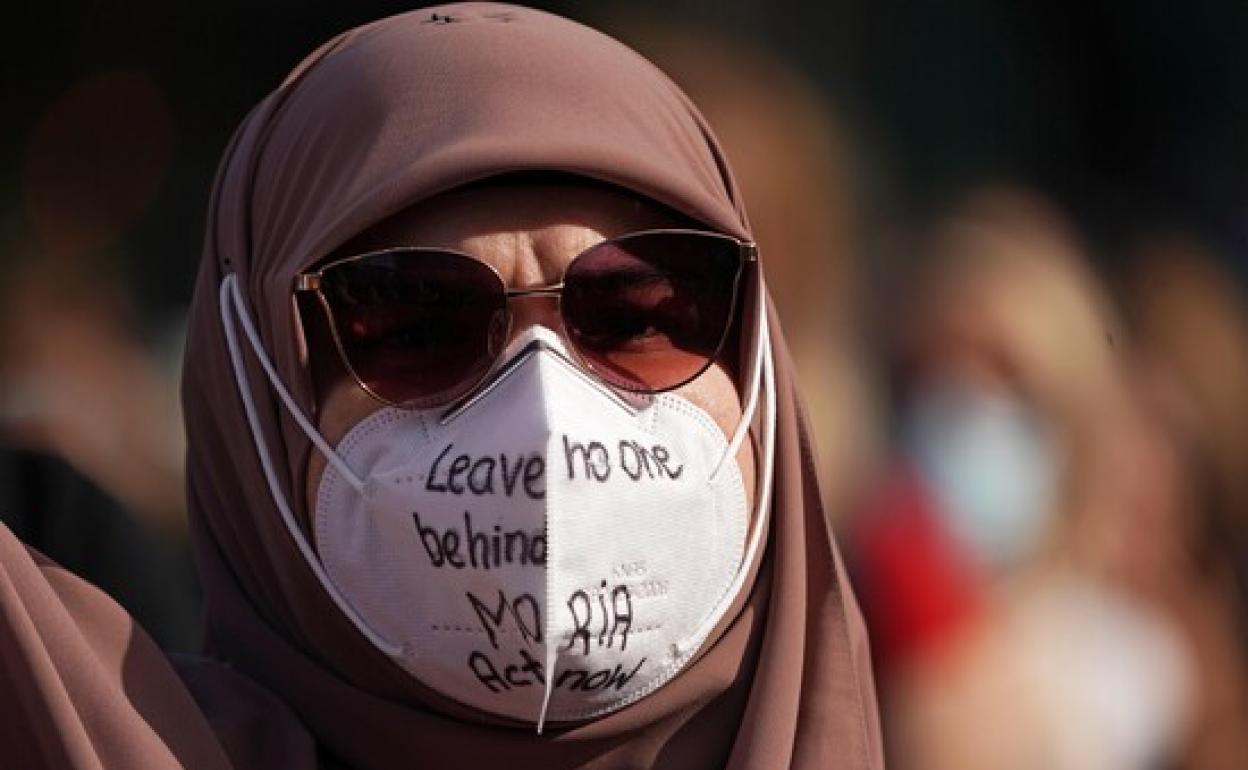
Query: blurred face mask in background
(992, 464)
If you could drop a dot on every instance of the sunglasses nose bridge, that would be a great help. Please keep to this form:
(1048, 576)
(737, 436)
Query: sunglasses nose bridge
(535, 307)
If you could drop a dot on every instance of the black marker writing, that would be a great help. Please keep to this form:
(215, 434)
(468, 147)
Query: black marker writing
(593, 461)
(528, 671)
(610, 622)
(580, 679)
(662, 458)
(478, 476)
(524, 612)
(637, 461)
(480, 549)
(512, 674)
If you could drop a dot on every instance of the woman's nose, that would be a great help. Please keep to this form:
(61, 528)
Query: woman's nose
(535, 310)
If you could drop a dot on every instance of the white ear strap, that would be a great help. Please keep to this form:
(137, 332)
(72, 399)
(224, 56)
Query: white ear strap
(244, 319)
(232, 305)
(761, 350)
(763, 506)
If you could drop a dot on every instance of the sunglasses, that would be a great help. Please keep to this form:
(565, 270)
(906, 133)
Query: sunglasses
(645, 312)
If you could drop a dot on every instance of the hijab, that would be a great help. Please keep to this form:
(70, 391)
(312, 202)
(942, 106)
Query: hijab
(374, 121)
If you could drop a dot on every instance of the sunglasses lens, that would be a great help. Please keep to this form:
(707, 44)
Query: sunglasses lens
(417, 327)
(649, 312)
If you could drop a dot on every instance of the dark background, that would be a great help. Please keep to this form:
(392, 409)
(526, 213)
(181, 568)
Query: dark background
(1123, 111)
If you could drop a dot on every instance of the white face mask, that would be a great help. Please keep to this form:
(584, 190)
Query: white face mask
(549, 549)
(993, 466)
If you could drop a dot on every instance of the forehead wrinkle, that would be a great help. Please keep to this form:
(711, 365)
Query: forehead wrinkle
(510, 252)
(556, 246)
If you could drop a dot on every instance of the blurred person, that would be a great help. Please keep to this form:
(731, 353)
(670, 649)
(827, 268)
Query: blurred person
(76, 382)
(1188, 532)
(1002, 641)
(798, 168)
(442, 518)
(90, 441)
(90, 449)
(77, 378)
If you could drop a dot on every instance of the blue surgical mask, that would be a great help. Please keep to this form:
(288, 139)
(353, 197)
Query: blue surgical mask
(992, 464)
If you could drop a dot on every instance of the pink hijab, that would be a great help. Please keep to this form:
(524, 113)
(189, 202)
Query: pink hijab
(375, 120)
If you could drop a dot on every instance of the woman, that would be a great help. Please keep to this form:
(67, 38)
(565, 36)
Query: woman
(442, 517)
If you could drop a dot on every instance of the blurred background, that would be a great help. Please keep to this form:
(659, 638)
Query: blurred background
(1009, 243)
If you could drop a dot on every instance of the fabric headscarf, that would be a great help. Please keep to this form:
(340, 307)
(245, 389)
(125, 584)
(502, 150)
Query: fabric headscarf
(374, 121)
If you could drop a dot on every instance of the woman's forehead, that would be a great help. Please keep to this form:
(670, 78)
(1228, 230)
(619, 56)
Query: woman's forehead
(577, 213)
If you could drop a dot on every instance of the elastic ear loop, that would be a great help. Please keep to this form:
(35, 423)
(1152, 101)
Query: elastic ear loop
(762, 363)
(764, 488)
(232, 305)
(762, 358)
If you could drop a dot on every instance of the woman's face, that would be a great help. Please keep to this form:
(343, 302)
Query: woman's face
(528, 233)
